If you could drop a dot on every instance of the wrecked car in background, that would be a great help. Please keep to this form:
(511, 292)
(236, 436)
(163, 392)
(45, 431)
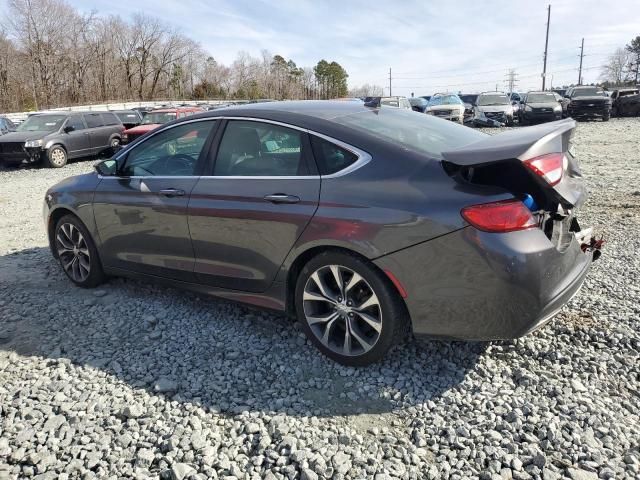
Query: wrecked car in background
(625, 102)
(588, 102)
(447, 106)
(493, 109)
(469, 100)
(538, 107)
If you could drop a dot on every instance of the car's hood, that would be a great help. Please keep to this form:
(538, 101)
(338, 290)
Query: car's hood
(544, 105)
(142, 129)
(23, 136)
(590, 98)
(445, 107)
(494, 108)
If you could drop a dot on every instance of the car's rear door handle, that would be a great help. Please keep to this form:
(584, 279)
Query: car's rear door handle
(172, 192)
(282, 198)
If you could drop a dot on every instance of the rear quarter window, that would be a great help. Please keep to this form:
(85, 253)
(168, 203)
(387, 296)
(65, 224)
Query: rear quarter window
(331, 158)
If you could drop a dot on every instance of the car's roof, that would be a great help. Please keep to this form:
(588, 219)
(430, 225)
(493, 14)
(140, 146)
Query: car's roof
(541, 91)
(324, 109)
(176, 109)
(87, 112)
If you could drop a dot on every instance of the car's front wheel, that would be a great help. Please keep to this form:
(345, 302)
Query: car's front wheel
(349, 309)
(57, 157)
(77, 253)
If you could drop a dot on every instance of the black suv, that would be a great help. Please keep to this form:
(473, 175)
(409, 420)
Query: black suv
(587, 102)
(56, 137)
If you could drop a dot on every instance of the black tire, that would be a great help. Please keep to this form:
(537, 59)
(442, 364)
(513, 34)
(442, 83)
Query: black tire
(64, 237)
(392, 328)
(114, 145)
(56, 157)
(606, 117)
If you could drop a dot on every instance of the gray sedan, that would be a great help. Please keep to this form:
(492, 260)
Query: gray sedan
(366, 224)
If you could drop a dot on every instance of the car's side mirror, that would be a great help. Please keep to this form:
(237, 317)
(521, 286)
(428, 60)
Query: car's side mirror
(107, 168)
(69, 129)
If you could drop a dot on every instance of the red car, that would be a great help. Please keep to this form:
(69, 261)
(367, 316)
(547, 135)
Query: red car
(156, 118)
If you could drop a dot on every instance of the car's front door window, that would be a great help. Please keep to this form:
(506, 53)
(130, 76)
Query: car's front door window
(257, 149)
(174, 152)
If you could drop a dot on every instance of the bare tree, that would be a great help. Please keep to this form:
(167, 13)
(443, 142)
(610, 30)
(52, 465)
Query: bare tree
(616, 70)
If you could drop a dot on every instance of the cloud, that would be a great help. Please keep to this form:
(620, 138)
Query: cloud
(463, 45)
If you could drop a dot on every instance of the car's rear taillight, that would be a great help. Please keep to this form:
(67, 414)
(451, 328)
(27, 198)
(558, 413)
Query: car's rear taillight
(550, 167)
(499, 217)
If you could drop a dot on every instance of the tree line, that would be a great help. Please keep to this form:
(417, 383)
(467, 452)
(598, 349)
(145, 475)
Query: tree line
(623, 66)
(53, 55)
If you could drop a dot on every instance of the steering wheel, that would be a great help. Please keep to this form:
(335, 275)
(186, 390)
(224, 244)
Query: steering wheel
(174, 163)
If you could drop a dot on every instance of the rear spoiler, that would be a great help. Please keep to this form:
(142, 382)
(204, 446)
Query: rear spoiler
(521, 143)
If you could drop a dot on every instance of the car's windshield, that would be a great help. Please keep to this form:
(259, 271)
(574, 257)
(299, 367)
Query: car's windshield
(626, 93)
(421, 133)
(158, 117)
(493, 100)
(587, 92)
(540, 98)
(42, 123)
(444, 100)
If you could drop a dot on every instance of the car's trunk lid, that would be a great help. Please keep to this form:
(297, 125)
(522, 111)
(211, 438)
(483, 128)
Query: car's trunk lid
(498, 160)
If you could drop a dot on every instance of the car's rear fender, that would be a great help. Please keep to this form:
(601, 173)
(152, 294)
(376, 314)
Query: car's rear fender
(480, 286)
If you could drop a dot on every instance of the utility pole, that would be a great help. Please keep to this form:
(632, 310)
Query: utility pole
(389, 81)
(546, 47)
(580, 70)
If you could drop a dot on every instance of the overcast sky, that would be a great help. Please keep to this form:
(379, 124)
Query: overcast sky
(430, 45)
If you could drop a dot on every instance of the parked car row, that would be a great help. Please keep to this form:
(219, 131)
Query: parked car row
(54, 138)
(490, 109)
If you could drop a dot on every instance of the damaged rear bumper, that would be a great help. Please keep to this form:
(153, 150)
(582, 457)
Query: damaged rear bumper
(473, 285)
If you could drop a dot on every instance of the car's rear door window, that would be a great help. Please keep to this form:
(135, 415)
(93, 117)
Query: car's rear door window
(251, 148)
(93, 120)
(110, 119)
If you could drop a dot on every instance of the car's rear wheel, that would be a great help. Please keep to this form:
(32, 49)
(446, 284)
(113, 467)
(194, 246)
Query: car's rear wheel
(77, 253)
(114, 145)
(349, 309)
(56, 157)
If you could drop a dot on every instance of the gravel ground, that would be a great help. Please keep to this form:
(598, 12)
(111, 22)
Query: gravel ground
(140, 381)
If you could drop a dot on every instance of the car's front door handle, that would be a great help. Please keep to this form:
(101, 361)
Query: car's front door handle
(282, 198)
(172, 192)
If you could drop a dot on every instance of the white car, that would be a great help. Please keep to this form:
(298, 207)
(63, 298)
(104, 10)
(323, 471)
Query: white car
(447, 106)
(395, 102)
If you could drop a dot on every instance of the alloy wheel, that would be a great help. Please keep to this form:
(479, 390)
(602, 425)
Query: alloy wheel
(342, 310)
(58, 157)
(73, 252)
